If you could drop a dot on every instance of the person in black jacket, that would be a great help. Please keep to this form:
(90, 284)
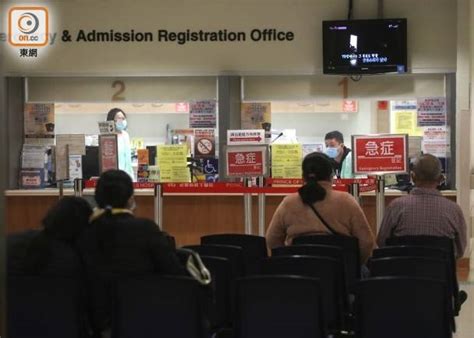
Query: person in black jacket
(51, 251)
(117, 244)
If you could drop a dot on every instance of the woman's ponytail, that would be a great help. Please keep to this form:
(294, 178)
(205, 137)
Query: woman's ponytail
(316, 167)
(312, 192)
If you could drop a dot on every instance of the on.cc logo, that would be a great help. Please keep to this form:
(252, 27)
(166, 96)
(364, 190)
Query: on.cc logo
(28, 26)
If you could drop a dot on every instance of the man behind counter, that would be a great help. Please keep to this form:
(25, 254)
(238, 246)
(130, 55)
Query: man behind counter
(341, 158)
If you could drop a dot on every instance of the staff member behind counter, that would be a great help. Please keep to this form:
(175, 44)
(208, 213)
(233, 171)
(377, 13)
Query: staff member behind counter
(341, 157)
(123, 140)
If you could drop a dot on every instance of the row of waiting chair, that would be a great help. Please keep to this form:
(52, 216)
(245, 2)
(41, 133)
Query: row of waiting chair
(263, 306)
(277, 306)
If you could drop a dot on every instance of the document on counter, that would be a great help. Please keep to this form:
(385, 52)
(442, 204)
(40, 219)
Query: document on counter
(62, 163)
(33, 157)
(76, 143)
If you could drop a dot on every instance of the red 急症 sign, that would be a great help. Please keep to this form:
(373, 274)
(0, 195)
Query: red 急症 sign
(380, 154)
(246, 162)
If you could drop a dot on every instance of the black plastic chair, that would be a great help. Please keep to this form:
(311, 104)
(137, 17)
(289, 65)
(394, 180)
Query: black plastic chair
(313, 250)
(279, 307)
(350, 246)
(443, 243)
(231, 252)
(410, 266)
(410, 250)
(154, 306)
(254, 247)
(330, 273)
(394, 307)
(220, 269)
(45, 307)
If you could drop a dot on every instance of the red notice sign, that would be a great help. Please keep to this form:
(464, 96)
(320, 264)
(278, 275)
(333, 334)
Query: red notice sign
(380, 154)
(244, 162)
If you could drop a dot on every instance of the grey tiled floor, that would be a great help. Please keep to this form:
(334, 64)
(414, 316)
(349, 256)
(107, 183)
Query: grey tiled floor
(465, 321)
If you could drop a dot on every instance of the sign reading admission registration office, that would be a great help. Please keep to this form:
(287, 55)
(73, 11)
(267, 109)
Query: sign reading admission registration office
(380, 154)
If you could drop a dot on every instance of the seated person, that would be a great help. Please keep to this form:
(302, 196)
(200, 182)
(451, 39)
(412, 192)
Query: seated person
(425, 211)
(118, 244)
(294, 216)
(51, 251)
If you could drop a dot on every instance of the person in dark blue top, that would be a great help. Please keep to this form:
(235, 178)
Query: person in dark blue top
(51, 251)
(117, 244)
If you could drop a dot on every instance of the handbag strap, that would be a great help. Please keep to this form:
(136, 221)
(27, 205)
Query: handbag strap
(326, 224)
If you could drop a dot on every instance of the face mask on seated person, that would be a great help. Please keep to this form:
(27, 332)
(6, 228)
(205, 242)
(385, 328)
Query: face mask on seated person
(332, 152)
(121, 125)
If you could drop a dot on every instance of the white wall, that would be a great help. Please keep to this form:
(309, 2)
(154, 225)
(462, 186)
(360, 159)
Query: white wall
(311, 127)
(431, 34)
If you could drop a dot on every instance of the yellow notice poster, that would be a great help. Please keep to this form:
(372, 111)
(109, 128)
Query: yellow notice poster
(256, 115)
(403, 118)
(286, 160)
(404, 122)
(172, 161)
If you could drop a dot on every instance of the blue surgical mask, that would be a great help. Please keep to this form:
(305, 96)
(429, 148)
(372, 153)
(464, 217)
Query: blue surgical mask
(332, 152)
(121, 125)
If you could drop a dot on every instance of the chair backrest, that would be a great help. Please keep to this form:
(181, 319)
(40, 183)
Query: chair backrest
(328, 270)
(314, 250)
(279, 307)
(350, 246)
(221, 273)
(410, 250)
(413, 266)
(50, 307)
(231, 252)
(443, 243)
(254, 247)
(171, 306)
(394, 307)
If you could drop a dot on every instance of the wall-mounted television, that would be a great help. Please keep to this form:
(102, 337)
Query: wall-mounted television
(365, 46)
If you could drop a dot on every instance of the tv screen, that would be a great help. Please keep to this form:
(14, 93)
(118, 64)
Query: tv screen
(365, 46)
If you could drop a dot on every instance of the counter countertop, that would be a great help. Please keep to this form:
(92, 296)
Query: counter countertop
(150, 192)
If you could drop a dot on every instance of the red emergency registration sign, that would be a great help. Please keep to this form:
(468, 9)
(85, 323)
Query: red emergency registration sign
(242, 163)
(380, 154)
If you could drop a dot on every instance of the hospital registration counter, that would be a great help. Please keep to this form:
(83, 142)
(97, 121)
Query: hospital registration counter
(186, 216)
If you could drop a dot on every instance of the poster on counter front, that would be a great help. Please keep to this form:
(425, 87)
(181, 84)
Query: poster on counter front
(39, 120)
(286, 160)
(202, 114)
(173, 164)
(431, 111)
(204, 143)
(256, 115)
